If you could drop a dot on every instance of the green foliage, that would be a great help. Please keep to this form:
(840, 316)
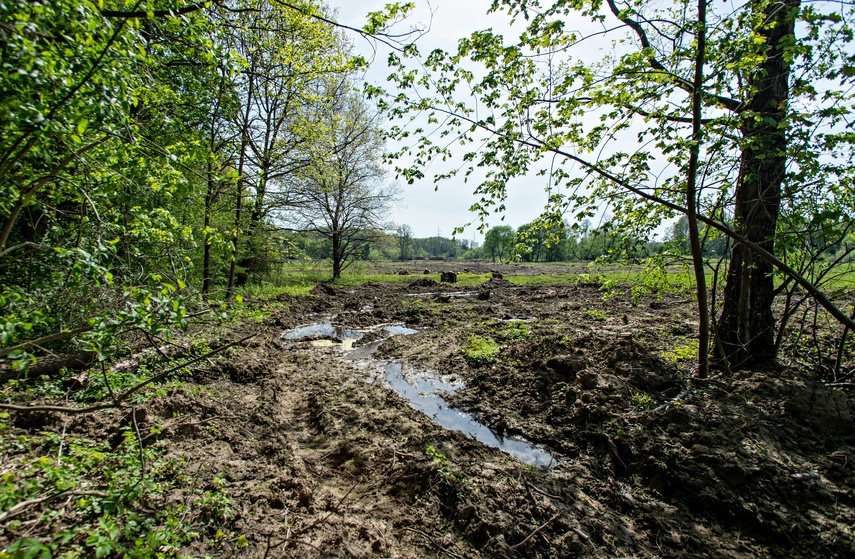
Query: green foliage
(618, 138)
(597, 314)
(543, 240)
(515, 330)
(214, 504)
(110, 492)
(481, 350)
(643, 401)
(499, 243)
(684, 350)
(443, 465)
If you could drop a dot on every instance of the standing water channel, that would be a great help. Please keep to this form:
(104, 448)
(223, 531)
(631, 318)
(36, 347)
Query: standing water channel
(422, 390)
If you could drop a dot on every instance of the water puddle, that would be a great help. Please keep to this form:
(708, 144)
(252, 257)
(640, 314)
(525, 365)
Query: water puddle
(326, 330)
(424, 392)
(399, 330)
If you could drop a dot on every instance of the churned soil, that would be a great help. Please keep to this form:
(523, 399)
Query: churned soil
(322, 459)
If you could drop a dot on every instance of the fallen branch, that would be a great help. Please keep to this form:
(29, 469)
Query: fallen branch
(20, 507)
(541, 491)
(679, 397)
(117, 402)
(841, 384)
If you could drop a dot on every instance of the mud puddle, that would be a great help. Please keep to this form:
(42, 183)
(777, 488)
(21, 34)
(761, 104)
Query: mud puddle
(326, 331)
(421, 390)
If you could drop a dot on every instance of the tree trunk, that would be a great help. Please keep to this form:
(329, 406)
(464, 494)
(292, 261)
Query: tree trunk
(244, 140)
(746, 330)
(250, 262)
(336, 254)
(692, 194)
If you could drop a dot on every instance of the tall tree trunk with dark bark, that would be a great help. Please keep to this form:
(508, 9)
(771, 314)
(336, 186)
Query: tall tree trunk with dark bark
(251, 263)
(337, 256)
(746, 330)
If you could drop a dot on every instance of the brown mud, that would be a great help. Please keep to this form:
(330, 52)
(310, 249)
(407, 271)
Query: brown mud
(322, 459)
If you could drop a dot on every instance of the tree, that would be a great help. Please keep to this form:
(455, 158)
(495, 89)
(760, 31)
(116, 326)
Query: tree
(91, 172)
(680, 234)
(542, 241)
(287, 56)
(499, 242)
(733, 102)
(404, 235)
(341, 193)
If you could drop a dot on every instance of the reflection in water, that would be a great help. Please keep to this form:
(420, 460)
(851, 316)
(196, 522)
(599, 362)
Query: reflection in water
(421, 391)
(325, 330)
(423, 394)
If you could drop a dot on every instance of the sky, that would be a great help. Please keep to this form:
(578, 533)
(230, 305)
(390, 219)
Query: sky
(427, 211)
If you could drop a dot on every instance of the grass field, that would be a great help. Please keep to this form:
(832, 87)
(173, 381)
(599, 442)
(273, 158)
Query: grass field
(300, 277)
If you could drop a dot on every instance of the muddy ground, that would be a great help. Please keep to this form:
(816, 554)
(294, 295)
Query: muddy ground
(322, 459)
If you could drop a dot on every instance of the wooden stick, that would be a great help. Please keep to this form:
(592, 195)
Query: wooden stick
(536, 531)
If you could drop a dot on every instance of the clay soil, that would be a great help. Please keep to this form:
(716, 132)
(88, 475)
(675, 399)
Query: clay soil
(322, 459)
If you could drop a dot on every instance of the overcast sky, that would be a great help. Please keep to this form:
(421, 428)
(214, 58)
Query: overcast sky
(425, 210)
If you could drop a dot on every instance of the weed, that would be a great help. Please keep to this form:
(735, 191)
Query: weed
(516, 330)
(643, 401)
(443, 464)
(214, 504)
(481, 351)
(685, 350)
(109, 484)
(597, 314)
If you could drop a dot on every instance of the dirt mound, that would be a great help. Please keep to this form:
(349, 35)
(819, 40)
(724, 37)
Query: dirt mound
(324, 289)
(423, 282)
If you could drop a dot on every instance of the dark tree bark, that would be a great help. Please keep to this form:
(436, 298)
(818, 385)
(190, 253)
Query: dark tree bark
(337, 254)
(746, 330)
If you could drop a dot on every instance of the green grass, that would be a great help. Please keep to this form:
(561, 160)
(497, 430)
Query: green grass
(686, 349)
(299, 278)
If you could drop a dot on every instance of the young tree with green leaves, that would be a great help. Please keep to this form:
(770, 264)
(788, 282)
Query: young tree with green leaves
(541, 241)
(341, 194)
(499, 243)
(287, 56)
(404, 237)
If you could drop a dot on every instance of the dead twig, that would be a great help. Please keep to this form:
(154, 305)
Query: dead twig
(685, 392)
(536, 531)
(841, 384)
(431, 540)
(717, 383)
(23, 505)
(541, 491)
